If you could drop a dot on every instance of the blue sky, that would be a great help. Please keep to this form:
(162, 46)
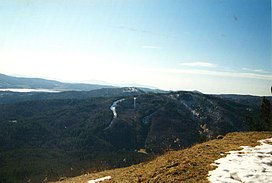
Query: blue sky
(215, 46)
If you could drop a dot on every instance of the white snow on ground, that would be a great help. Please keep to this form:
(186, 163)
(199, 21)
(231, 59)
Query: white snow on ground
(130, 89)
(249, 165)
(100, 179)
(113, 107)
(194, 112)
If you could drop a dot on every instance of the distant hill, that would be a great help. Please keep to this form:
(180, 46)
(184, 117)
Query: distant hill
(13, 97)
(37, 83)
(244, 99)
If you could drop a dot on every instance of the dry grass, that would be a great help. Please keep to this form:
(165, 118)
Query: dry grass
(188, 165)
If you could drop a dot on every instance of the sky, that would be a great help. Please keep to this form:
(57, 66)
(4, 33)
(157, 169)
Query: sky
(214, 46)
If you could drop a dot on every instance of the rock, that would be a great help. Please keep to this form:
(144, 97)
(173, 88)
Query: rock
(220, 137)
(62, 178)
(235, 176)
(173, 165)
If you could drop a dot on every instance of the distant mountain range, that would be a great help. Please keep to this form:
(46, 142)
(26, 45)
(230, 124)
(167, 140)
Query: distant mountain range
(37, 83)
(10, 82)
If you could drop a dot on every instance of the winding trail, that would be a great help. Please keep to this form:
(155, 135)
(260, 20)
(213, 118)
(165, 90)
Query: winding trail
(113, 109)
(146, 119)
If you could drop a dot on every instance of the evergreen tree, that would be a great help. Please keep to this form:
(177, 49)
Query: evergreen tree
(266, 113)
(263, 122)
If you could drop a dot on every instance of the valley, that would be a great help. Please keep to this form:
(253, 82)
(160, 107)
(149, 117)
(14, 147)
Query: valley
(48, 135)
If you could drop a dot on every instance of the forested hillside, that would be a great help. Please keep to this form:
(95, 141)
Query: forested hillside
(49, 137)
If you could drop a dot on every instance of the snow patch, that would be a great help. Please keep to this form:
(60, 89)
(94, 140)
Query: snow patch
(251, 164)
(100, 179)
(130, 89)
(113, 107)
(194, 112)
(13, 121)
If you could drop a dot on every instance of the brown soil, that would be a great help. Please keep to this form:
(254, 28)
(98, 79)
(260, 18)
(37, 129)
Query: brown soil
(187, 165)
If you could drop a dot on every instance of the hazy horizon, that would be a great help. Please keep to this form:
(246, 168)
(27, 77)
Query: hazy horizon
(137, 85)
(212, 46)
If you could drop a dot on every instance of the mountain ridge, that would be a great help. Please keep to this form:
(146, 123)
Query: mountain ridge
(38, 83)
